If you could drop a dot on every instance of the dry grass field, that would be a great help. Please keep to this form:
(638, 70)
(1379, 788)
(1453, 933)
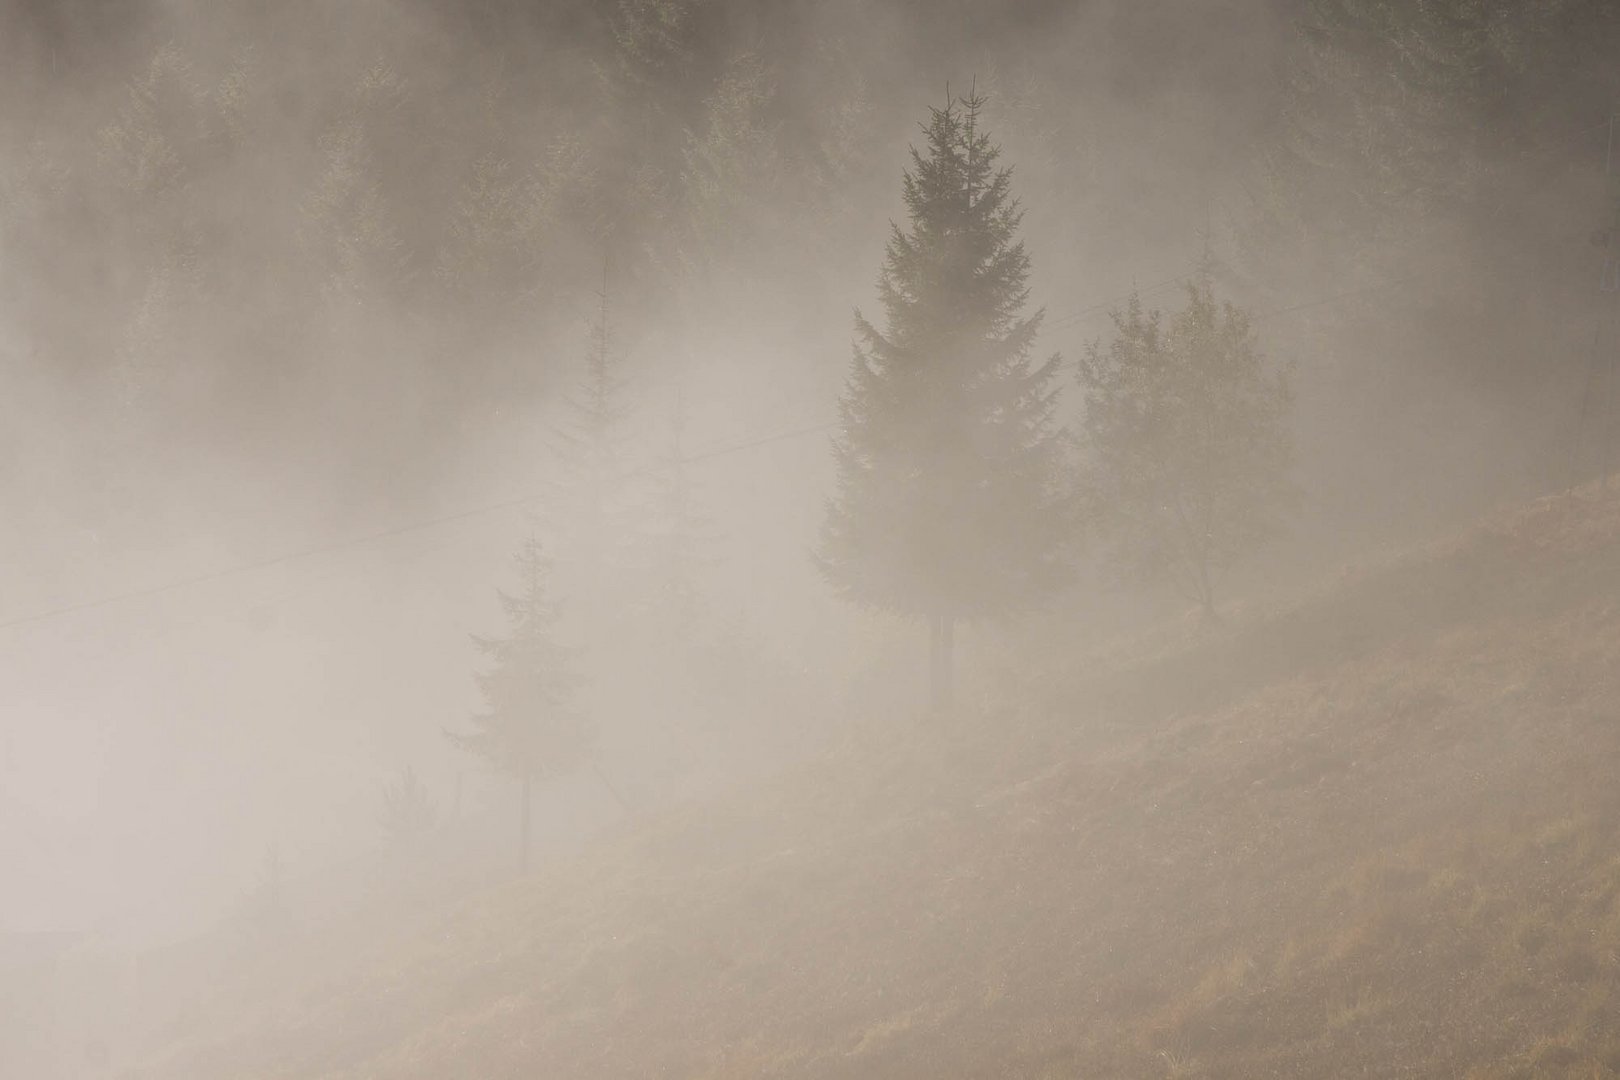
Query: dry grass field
(1374, 834)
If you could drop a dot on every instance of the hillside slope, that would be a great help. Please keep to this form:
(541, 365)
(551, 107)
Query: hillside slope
(1373, 835)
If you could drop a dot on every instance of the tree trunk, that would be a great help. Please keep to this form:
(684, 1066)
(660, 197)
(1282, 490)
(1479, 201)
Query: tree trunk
(941, 665)
(611, 790)
(1206, 591)
(523, 854)
(1211, 615)
(933, 665)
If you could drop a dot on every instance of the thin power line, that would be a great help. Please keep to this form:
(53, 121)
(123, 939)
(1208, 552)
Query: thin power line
(1335, 298)
(762, 440)
(1075, 316)
(264, 564)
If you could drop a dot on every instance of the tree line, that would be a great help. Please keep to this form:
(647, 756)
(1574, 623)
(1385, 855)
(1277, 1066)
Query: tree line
(454, 193)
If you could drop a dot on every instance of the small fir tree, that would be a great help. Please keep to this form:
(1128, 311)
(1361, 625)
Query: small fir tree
(1189, 448)
(530, 727)
(946, 456)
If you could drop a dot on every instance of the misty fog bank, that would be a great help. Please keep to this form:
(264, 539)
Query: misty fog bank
(299, 305)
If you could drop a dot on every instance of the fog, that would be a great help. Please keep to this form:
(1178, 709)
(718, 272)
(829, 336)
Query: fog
(298, 308)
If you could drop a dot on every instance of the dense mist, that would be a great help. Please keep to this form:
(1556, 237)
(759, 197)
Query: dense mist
(358, 355)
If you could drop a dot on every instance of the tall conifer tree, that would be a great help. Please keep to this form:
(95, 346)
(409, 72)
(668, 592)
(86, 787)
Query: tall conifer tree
(946, 456)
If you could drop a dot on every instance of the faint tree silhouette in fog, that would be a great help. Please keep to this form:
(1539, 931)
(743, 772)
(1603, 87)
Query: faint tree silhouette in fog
(946, 457)
(408, 812)
(596, 512)
(150, 159)
(487, 261)
(678, 536)
(352, 232)
(1413, 139)
(1435, 107)
(1188, 442)
(733, 170)
(263, 917)
(530, 727)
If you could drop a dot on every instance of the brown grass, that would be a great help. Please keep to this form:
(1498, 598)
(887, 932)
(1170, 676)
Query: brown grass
(1377, 834)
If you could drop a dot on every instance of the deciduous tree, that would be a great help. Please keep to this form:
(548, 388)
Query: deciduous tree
(1188, 444)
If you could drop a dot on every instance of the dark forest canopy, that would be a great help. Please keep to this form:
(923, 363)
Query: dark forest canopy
(214, 212)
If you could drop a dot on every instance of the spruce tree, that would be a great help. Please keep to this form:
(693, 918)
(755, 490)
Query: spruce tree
(945, 509)
(1188, 443)
(529, 728)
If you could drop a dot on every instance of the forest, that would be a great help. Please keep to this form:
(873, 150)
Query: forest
(805, 538)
